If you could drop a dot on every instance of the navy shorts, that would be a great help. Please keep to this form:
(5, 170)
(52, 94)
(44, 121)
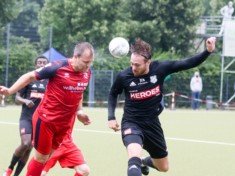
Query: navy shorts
(148, 134)
(25, 126)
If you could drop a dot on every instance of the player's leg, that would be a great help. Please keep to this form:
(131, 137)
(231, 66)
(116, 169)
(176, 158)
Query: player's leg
(54, 157)
(42, 141)
(72, 157)
(133, 140)
(25, 128)
(49, 164)
(161, 164)
(155, 144)
(26, 145)
(22, 162)
(36, 164)
(134, 151)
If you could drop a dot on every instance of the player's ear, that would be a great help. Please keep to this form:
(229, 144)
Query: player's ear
(75, 56)
(148, 61)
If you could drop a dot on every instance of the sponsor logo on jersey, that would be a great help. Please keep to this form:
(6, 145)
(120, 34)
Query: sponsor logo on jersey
(153, 79)
(82, 84)
(74, 89)
(145, 94)
(142, 81)
(36, 95)
(132, 84)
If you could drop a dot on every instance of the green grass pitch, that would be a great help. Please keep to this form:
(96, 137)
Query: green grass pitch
(200, 143)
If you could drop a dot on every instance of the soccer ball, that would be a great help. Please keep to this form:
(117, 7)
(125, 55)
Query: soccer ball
(119, 47)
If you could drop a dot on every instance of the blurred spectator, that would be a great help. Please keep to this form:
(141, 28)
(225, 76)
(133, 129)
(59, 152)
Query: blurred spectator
(196, 88)
(226, 12)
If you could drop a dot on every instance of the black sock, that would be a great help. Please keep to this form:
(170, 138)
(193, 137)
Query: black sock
(148, 162)
(19, 168)
(14, 160)
(134, 164)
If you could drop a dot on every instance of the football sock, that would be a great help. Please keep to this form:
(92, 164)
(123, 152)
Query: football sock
(14, 160)
(148, 162)
(134, 169)
(34, 168)
(19, 168)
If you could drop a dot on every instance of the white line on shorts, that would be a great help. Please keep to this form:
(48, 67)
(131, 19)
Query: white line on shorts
(167, 138)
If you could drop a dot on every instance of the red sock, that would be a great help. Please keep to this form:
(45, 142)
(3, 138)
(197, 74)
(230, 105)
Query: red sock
(77, 174)
(34, 168)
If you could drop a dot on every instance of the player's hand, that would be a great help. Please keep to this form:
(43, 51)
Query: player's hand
(4, 90)
(29, 103)
(113, 125)
(84, 118)
(210, 44)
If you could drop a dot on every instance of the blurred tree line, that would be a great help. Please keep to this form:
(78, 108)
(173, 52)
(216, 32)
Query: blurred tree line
(168, 25)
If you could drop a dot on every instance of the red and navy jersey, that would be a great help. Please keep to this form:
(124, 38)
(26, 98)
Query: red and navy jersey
(64, 92)
(143, 94)
(34, 92)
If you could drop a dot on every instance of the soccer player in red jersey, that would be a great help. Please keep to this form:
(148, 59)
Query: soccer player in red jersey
(67, 81)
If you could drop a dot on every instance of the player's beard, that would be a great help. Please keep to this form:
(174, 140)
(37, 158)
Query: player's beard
(139, 72)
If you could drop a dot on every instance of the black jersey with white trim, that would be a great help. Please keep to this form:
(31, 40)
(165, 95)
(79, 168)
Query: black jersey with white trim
(143, 94)
(34, 92)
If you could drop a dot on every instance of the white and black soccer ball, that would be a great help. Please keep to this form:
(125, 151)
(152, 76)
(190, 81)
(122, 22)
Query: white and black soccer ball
(119, 47)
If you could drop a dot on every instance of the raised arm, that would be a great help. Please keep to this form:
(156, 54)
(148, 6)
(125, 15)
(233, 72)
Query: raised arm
(175, 66)
(19, 84)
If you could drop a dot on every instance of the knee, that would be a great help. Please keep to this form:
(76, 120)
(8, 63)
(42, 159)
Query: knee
(26, 145)
(163, 168)
(40, 157)
(161, 165)
(84, 170)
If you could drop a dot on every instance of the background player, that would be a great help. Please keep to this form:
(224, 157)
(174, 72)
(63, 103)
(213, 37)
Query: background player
(143, 85)
(68, 80)
(30, 97)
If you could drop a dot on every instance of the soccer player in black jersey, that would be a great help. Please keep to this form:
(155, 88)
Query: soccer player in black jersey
(142, 84)
(30, 97)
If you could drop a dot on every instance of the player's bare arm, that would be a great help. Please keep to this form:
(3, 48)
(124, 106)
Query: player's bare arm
(19, 84)
(20, 100)
(81, 116)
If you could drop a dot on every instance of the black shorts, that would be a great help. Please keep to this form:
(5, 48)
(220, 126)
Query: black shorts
(148, 134)
(25, 126)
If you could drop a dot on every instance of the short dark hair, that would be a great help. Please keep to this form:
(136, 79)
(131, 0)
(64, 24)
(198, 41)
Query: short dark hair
(142, 48)
(40, 57)
(81, 47)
